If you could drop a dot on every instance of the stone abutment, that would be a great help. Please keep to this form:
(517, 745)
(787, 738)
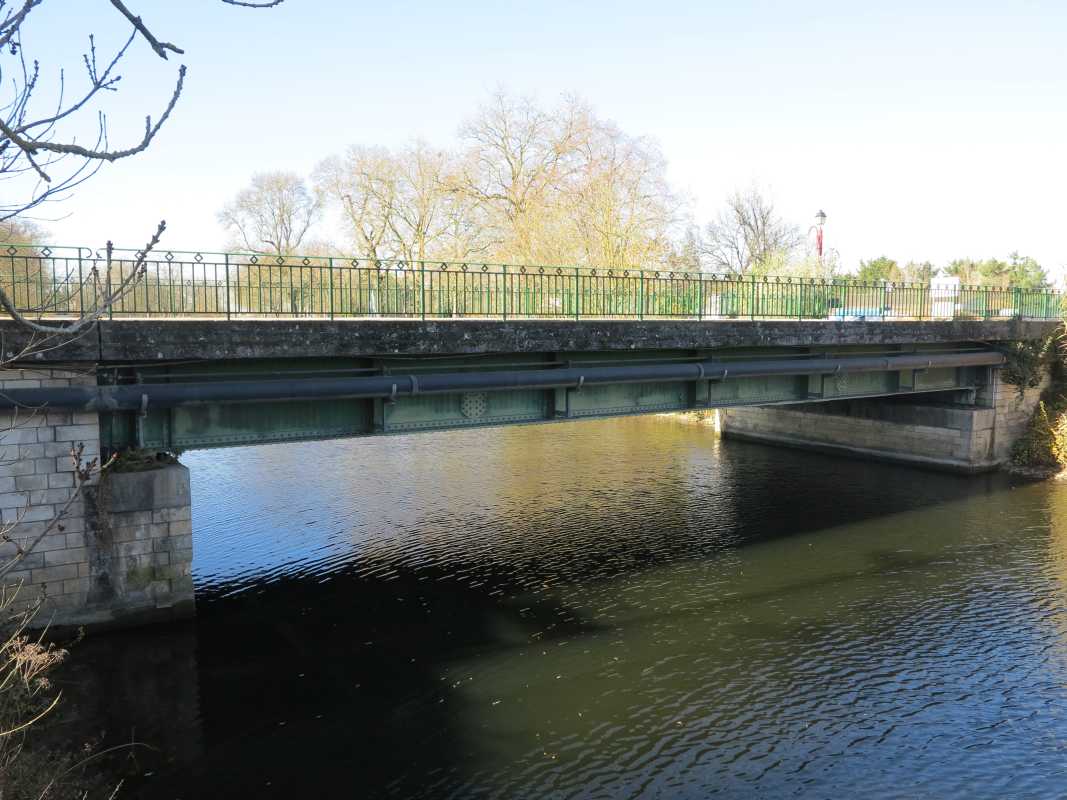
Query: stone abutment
(966, 432)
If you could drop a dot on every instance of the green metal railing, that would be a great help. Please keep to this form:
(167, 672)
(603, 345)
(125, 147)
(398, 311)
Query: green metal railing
(53, 280)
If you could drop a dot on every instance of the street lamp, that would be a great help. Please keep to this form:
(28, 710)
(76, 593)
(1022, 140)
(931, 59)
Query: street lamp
(820, 220)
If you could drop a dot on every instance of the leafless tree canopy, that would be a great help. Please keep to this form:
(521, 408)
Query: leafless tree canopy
(272, 215)
(528, 184)
(747, 235)
(41, 155)
(16, 231)
(402, 204)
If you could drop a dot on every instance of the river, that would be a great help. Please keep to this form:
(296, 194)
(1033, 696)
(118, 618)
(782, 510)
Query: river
(606, 609)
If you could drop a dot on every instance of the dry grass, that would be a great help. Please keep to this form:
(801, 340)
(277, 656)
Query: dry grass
(29, 769)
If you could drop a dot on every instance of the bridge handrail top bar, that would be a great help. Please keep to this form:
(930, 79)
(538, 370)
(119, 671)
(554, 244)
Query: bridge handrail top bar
(354, 262)
(26, 246)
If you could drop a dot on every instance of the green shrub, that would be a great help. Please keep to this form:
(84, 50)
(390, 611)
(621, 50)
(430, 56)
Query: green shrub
(1043, 446)
(1037, 448)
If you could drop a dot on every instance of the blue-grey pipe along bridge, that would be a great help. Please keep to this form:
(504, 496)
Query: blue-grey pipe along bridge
(176, 385)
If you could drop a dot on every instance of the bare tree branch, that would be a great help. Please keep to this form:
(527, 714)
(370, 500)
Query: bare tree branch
(45, 160)
(160, 48)
(32, 147)
(104, 295)
(9, 27)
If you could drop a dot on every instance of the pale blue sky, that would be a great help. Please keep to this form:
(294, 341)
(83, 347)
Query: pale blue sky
(924, 129)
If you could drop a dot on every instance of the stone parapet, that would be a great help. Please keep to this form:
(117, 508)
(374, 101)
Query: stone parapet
(156, 340)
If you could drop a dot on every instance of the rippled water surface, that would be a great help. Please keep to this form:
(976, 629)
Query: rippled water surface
(627, 608)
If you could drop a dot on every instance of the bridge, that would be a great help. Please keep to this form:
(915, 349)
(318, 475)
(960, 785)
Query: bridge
(209, 351)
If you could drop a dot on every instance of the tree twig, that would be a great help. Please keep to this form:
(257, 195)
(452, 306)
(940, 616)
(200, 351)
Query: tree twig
(102, 305)
(161, 48)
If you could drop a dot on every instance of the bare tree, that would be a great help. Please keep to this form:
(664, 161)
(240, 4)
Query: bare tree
(272, 215)
(621, 206)
(748, 234)
(466, 227)
(519, 156)
(15, 231)
(533, 185)
(420, 218)
(560, 186)
(405, 205)
(362, 184)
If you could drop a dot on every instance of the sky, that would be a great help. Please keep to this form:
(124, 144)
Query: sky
(925, 130)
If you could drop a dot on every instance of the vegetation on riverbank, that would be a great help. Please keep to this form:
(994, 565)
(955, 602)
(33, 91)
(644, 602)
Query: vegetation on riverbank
(1042, 450)
(37, 759)
(26, 697)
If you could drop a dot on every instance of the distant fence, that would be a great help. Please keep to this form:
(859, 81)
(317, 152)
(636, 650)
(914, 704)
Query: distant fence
(57, 281)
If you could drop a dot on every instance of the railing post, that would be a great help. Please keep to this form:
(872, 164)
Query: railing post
(752, 299)
(329, 267)
(577, 294)
(81, 284)
(111, 306)
(422, 288)
(700, 296)
(226, 263)
(641, 295)
(504, 267)
(40, 282)
(14, 283)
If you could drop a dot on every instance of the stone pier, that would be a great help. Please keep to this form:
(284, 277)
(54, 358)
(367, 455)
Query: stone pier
(122, 551)
(965, 432)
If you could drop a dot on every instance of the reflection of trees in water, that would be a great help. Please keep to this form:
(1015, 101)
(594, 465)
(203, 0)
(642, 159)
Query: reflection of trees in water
(553, 502)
